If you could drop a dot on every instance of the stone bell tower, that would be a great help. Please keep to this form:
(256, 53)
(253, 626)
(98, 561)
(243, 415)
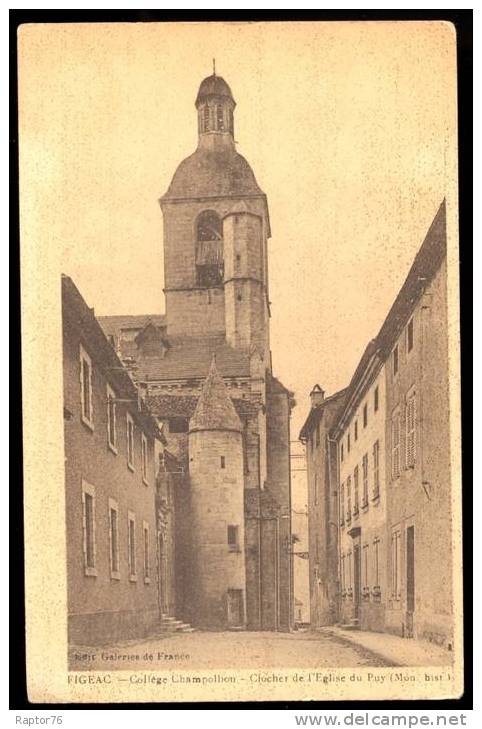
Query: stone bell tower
(216, 226)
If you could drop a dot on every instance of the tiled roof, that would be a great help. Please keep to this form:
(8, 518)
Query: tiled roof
(190, 358)
(113, 324)
(214, 409)
(213, 86)
(183, 406)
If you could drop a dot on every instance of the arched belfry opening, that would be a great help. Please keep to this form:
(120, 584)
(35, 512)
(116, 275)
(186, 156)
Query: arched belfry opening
(209, 249)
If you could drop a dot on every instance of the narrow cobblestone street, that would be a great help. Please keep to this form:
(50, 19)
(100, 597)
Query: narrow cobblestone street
(211, 650)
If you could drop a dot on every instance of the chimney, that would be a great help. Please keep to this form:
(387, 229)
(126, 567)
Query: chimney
(317, 395)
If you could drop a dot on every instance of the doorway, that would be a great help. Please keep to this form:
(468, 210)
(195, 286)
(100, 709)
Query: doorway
(356, 580)
(163, 578)
(410, 549)
(235, 609)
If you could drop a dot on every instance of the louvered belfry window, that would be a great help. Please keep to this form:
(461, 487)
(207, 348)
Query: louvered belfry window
(209, 249)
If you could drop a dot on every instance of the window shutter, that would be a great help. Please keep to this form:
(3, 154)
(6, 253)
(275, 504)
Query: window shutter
(84, 529)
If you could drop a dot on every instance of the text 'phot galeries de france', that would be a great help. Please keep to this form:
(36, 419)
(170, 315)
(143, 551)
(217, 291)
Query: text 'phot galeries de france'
(176, 429)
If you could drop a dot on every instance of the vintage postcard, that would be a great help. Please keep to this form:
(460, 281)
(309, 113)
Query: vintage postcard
(241, 388)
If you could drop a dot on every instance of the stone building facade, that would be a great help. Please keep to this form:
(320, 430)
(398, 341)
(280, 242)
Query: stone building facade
(418, 468)
(110, 442)
(360, 436)
(216, 227)
(323, 512)
(394, 474)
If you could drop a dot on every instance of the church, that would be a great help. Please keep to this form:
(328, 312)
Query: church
(204, 370)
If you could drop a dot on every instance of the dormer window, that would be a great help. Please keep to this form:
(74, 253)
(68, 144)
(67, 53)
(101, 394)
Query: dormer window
(209, 250)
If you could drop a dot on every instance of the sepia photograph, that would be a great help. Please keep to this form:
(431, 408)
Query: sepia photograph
(240, 328)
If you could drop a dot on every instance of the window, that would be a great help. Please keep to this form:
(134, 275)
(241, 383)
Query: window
(410, 336)
(114, 539)
(206, 117)
(356, 429)
(144, 459)
(130, 441)
(147, 567)
(396, 566)
(342, 504)
(178, 425)
(233, 541)
(396, 445)
(365, 574)
(131, 545)
(349, 581)
(111, 421)
(355, 491)
(365, 415)
(318, 434)
(223, 462)
(341, 452)
(316, 489)
(375, 399)
(376, 568)
(342, 574)
(365, 480)
(410, 436)
(348, 499)
(209, 249)
(376, 469)
(395, 360)
(86, 409)
(348, 443)
(88, 528)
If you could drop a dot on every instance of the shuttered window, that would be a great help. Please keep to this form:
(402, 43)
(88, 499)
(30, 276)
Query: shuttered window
(365, 480)
(376, 469)
(365, 573)
(395, 564)
(131, 545)
(88, 528)
(348, 499)
(396, 445)
(114, 539)
(86, 389)
(410, 435)
(356, 503)
(130, 441)
(342, 504)
(144, 458)
(111, 419)
(147, 567)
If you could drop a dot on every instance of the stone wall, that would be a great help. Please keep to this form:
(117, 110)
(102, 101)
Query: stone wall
(99, 606)
(421, 496)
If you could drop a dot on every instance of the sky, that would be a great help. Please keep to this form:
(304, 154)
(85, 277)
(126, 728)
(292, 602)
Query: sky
(349, 128)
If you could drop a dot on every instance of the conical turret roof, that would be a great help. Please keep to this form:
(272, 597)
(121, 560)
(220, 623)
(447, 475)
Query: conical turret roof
(215, 409)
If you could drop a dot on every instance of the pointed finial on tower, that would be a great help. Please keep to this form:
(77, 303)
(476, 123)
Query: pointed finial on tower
(214, 66)
(214, 409)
